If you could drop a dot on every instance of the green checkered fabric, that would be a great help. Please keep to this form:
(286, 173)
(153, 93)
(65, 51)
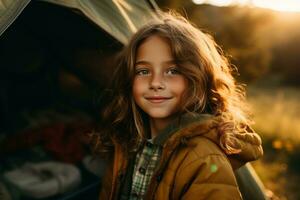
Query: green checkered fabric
(144, 168)
(136, 184)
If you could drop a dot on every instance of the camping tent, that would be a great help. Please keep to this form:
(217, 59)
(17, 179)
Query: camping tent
(55, 48)
(118, 18)
(54, 54)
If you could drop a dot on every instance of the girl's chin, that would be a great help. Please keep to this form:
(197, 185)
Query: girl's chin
(161, 116)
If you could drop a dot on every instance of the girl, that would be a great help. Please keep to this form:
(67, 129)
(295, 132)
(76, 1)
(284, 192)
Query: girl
(176, 127)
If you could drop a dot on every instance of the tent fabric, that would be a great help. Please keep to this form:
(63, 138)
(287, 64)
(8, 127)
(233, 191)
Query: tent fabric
(117, 17)
(9, 11)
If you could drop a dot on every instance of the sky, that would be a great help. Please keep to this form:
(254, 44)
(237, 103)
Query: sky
(280, 5)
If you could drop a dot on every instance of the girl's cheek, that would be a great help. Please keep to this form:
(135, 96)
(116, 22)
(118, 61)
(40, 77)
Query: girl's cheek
(178, 80)
(141, 80)
(139, 83)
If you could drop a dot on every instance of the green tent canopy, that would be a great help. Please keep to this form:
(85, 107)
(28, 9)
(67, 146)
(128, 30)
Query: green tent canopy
(53, 49)
(117, 17)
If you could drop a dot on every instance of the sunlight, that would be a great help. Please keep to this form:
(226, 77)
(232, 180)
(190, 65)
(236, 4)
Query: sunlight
(279, 5)
(214, 2)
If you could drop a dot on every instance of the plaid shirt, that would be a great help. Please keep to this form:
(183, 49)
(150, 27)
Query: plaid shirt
(146, 161)
(144, 168)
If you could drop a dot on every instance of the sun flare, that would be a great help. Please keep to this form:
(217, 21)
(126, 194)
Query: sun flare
(279, 5)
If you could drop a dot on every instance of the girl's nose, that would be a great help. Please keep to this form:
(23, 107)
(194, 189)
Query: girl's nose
(157, 82)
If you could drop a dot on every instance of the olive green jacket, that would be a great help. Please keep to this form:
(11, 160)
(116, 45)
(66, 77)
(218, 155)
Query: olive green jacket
(193, 164)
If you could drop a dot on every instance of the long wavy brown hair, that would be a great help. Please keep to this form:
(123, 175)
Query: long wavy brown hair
(211, 86)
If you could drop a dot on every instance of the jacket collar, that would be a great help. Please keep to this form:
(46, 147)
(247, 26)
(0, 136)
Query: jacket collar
(184, 126)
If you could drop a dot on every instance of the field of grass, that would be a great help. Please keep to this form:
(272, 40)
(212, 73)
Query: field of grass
(276, 112)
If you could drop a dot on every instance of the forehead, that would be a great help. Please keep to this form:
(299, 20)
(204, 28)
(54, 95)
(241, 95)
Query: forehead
(154, 48)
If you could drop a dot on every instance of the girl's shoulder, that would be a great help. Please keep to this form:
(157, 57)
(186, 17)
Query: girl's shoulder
(201, 147)
(203, 154)
(196, 148)
(213, 137)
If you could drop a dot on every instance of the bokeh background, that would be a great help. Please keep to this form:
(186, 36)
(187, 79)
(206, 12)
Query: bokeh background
(262, 39)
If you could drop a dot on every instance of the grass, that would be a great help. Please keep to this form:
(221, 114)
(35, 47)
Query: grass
(276, 113)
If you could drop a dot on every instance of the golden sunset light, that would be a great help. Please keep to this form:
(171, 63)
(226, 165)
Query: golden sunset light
(279, 5)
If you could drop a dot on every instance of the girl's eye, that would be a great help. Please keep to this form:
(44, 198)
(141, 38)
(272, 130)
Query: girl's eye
(173, 71)
(142, 72)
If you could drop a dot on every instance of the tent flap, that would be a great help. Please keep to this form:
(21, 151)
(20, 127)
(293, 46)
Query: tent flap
(9, 11)
(119, 18)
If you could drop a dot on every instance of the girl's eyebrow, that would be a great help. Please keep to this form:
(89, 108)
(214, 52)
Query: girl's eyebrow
(149, 63)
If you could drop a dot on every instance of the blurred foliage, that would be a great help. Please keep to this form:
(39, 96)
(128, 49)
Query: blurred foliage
(286, 60)
(277, 119)
(260, 43)
(234, 29)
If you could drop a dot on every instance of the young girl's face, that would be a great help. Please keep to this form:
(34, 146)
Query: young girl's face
(158, 85)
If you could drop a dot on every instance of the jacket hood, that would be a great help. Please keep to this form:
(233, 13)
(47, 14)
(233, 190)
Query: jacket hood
(240, 147)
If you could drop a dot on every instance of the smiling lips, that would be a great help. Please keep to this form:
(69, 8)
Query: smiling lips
(158, 99)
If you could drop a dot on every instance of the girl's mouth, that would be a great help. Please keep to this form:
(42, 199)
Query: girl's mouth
(157, 99)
